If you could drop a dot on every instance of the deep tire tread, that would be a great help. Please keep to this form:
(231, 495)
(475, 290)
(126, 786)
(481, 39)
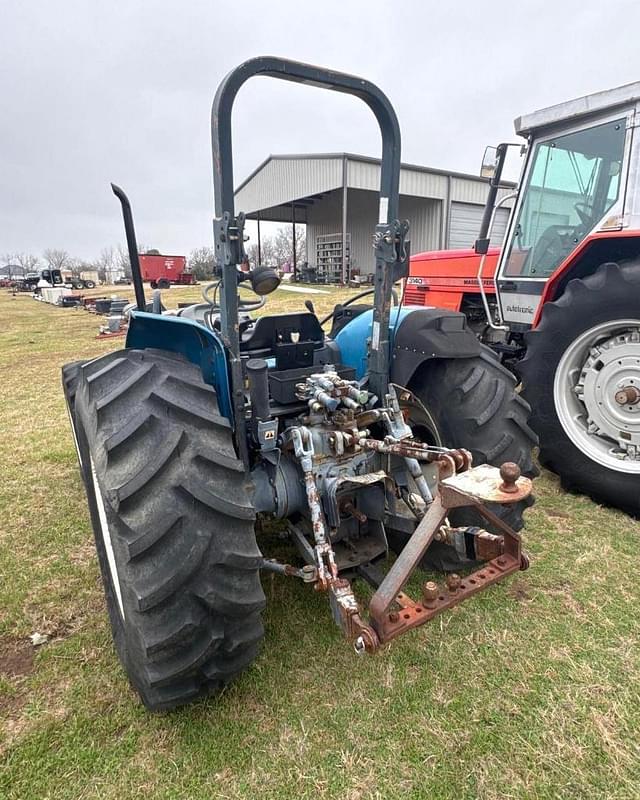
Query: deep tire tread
(476, 406)
(181, 522)
(609, 293)
(159, 460)
(147, 540)
(123, 388)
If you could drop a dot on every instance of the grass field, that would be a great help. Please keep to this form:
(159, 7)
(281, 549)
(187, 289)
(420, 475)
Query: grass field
(530, 690)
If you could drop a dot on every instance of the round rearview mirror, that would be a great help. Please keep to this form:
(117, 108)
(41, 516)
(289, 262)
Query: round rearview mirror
(264, 280)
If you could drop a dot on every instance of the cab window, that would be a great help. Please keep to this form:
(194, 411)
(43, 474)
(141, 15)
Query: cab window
(573, 181)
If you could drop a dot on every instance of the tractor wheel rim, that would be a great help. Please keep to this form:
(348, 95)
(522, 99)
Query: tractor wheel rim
(594, 371)
(106, 538)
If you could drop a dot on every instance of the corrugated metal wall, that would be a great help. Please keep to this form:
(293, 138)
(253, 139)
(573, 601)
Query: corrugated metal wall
(470, 190)
(464, 225)
(325, 216)
(416, 183)
(282, 180)
(425, 218)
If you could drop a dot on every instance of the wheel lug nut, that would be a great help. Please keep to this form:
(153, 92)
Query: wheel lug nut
(627, 396)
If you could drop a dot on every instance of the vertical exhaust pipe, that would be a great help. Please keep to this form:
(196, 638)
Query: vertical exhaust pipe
(132, 247)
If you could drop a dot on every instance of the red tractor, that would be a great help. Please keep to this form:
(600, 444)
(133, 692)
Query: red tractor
(163, 271)
(560, 302)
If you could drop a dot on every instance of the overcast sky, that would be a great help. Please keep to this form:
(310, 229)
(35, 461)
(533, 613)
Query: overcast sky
(93, 92)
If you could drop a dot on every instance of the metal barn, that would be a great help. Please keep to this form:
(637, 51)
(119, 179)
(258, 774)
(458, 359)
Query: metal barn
(335, 196)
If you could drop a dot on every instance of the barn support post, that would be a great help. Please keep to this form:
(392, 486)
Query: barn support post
(295, 261)
(345, 265)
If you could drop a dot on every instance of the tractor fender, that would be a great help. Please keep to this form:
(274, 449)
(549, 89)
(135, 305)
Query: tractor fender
(596, 249)
(426, 334)
(187, 337)
(417, 334)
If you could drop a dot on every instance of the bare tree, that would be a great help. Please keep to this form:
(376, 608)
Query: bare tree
(283, 245)
(77, 266)
(105, 264)
(58, 259)
(122, 258)
(267, 253)
(11, 266)
(202, 263)
(28, 261)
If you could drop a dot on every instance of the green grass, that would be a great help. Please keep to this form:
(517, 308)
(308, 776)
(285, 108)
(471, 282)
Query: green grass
(529, 690)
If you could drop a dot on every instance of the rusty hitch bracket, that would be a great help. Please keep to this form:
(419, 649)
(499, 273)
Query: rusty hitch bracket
(389, 622)
(391, 611)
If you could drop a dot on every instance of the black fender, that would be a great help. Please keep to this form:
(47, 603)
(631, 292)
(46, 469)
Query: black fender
(426, 334)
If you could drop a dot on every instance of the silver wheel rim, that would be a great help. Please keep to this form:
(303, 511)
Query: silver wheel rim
(592, 369)
(106, 538)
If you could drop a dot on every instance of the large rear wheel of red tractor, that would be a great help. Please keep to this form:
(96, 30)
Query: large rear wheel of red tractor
(581, 375)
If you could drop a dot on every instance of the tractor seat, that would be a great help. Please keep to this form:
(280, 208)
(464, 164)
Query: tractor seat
(291, 338)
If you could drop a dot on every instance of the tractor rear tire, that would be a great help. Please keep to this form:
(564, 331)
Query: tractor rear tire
(592, 328)
(70, 378)
(173, 522)
(164, 283)
(473, 403)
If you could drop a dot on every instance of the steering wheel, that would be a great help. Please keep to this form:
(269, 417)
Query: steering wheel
(585, 212)
(353, 299)
(550, 249)
(244, 303)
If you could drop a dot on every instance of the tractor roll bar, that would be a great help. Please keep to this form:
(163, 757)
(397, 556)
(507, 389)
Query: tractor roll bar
(228, 229)
(298, 72)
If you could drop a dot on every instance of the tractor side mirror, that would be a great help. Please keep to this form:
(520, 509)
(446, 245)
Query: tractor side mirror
(489, 162)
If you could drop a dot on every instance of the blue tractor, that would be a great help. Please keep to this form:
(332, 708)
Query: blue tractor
(359, 441)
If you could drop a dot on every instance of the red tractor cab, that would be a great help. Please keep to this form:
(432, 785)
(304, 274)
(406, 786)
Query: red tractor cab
(559, 302)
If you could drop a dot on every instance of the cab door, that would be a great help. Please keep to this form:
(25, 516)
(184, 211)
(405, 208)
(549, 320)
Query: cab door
(572, 181)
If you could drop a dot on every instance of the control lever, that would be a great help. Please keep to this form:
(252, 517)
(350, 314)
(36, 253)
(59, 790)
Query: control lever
(309, 306)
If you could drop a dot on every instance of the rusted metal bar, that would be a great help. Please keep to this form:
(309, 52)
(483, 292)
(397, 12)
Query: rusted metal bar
(391, 611)
(455, 460)
(435, 601)
(406, 562)
(307, 573)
